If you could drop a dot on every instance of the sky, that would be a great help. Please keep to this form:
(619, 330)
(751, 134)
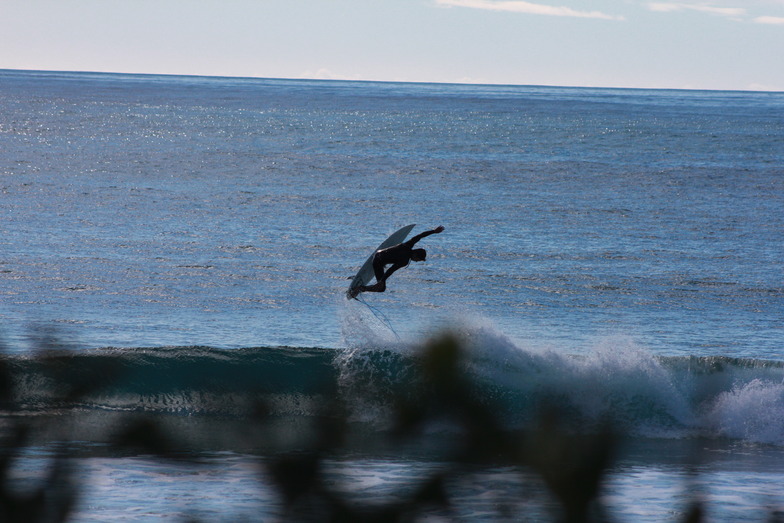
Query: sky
(720, 44)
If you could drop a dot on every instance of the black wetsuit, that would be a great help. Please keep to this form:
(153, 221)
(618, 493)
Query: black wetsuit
(398, 256)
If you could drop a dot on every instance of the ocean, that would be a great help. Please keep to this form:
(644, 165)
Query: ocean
(174, 256)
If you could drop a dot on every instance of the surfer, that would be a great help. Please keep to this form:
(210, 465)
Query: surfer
(398, 256)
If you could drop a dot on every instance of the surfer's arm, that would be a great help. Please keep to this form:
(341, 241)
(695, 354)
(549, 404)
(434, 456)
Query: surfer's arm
(419, 236)
(391, 270)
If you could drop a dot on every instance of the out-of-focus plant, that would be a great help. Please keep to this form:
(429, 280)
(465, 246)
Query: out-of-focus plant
(571, 465)
(53, 497)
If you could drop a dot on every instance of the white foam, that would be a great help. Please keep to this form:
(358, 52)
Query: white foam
(752, 411)
(615, 378)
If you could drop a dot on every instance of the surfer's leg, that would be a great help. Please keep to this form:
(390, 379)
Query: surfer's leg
(380, 285)
(378, 269)
(376, 287)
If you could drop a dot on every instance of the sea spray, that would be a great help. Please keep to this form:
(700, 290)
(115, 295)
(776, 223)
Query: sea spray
(362, 327)
(623, 381)
(615, 379)
(752, 411)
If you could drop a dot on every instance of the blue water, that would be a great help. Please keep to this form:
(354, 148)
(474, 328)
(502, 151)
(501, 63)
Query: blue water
(615, 248)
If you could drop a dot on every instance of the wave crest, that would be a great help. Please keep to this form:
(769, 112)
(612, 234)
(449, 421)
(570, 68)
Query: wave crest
(643, 394)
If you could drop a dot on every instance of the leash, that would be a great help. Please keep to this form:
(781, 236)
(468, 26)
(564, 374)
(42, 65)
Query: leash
(380, 316)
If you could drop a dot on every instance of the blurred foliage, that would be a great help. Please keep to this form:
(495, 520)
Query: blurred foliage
(572, 466)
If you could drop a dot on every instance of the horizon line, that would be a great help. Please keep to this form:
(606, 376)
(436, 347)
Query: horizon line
(411, 82)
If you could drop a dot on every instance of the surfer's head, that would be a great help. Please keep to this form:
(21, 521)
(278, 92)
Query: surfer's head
(418, 255)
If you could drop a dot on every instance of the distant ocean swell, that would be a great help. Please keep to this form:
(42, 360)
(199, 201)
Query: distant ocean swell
(645, 395)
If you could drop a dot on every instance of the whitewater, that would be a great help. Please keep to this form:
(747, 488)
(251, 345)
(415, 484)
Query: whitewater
(179, 247)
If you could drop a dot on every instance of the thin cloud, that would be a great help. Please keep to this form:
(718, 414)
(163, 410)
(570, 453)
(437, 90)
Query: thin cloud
(517, 6)
(739, 14)
(670, 7)
(770, 20)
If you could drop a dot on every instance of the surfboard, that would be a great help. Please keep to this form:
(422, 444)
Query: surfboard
(365, 273)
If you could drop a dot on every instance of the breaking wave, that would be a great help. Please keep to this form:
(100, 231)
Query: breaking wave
(646, 395)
